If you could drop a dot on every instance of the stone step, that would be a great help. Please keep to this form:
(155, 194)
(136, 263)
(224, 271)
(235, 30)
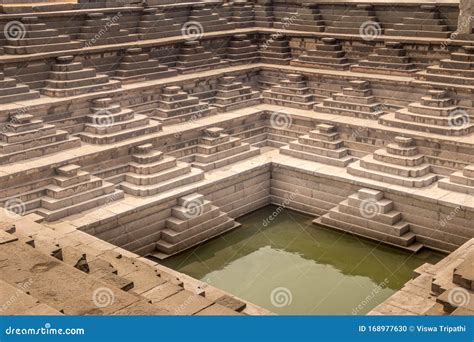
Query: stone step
(301, 145)
(54, 215)
(237, 154)
(155, 162)
(391, 121)
(178, 225)
(371, 162)
(341, 162)
(446, 78)
(168, 249)
(194, 175)
(384, 156)
(103, 86)
(417, 33)
(462, 188)
(174, 237)
(356, 169)
(120, 135)
(57, 192)
(69, 198)
(31, 49)
(407, 241)
(176, 170)
(346, 112)
(438, 71)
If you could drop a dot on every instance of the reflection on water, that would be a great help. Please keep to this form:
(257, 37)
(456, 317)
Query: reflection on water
(291, 266)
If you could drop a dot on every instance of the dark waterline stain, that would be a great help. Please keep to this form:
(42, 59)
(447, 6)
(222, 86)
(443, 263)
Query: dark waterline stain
(291, 266)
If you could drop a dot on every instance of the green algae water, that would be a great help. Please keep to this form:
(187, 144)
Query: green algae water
(292, 267)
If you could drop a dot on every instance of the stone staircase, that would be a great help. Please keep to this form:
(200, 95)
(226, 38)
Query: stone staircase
(73, 191)
(193, 57)
(368, 214)
(216, 149)
(208, 18)
(263, 13)
(232, 95)
(25, 137)
(109, 123)
(151, 172)
(101, 30)
(291, 92)
(391, 59)
(86, 276)
(460, 181)
(69, 78)
(435, 113)
(37, 38)
(445, 288)
(328, 55)
(353, 21)
(177, 106)
(400, 163)
(137, 66)
(243, 14)
(11, 91)
(153, 24)
(193, 221)
(356, 101)
(241, 50)
(275, 50)
(423, 23)
(458, 70)
(306, 18)
(322, 145)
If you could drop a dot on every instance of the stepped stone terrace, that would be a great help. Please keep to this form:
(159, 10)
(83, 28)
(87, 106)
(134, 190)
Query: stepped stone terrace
(131, 132)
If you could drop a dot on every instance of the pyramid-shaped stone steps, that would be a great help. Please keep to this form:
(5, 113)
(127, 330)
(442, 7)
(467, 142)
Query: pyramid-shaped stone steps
(193, 57)
(355, 101)
(241, 50)
(353, 20)
(177, 106)
(208, 18)
(93, 32)
(11, 91)
(150, 173)
(193, 221)
(328, 55)
(290, 92)
(233, 95)
(137, 66)
(216, 149)
(25, 137)
(276, 50)
(307, 18)
(368, 214)
(74, 191)
(69, 78)
(459, 181)
(321, 145)
(39, 39)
